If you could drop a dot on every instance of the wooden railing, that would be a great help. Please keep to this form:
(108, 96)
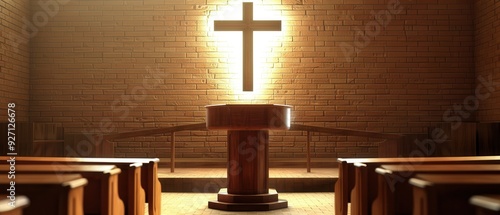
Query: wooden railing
(340, 132)
(294, 127)
(158, 131)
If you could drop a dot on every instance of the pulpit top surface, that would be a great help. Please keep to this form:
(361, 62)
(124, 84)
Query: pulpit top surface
(248, 116)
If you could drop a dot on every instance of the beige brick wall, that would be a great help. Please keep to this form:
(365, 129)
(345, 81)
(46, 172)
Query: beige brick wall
(487, 59)
(14, 59)
(118, 65)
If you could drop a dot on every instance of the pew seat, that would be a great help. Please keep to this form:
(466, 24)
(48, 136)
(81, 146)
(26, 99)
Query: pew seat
(394, 194)
(49, 194)
(486, 204)
(349, 185)
(438, 194)
(146, 188)
(100, 194)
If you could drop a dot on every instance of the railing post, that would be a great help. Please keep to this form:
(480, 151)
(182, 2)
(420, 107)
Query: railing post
(308, 151)
(172, 150)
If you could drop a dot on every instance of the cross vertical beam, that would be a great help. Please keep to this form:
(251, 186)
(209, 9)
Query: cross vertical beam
(247, 26)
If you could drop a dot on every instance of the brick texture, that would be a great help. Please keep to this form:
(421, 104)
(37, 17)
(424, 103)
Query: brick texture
(386, 66)
(14, 60)
(487, 59)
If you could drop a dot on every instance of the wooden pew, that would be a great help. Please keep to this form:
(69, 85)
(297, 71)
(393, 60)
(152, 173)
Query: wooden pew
(486, 204)
(49, 194)
(101, 192)
(394, 194)
(21, 202)
(146, 188)
(366, 180)
(346, 182)
(437, 194)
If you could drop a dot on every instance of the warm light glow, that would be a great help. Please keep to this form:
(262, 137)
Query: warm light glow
(230, 46)
(288, 117)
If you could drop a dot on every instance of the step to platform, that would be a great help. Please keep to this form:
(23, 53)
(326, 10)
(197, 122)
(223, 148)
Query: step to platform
(211, 180)
(273, 163)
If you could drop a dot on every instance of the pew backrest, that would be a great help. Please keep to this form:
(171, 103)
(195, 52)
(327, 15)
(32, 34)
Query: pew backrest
(346, 181)
(449, 193)
(101, 193)
(149, 181)
(394, 193)
(50, 194)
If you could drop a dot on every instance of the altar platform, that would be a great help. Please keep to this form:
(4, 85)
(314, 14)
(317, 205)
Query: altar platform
(187, 190)
(285, 175)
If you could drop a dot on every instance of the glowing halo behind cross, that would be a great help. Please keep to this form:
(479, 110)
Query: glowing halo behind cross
(248, 25)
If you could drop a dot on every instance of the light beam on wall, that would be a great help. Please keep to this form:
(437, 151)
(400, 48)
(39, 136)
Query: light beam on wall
(231, 43)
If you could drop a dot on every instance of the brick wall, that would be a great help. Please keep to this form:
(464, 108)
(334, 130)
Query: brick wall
(119, 65)
(14, 60)
(487, 59)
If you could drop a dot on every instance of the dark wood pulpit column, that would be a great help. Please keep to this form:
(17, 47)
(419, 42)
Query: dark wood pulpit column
(248, 128)
(249, 160)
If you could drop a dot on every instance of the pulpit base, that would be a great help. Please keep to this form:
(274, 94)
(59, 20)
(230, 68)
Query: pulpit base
(257, 202)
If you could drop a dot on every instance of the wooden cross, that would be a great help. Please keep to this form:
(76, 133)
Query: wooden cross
(248, 26)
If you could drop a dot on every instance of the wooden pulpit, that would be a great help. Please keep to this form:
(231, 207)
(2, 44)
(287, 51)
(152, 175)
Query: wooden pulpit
(248, 128)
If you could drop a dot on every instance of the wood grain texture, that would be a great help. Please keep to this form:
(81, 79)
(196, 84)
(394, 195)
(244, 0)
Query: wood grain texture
(148, 183)
(248, 117)
(347, 179)
(449, 194)
(101, 193)
(48, 139)
(488, 138)
(394, 193)
(248, 161)
(50, 194)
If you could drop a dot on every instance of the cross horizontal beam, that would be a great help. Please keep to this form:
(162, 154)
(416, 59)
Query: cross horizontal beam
(260, 25)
